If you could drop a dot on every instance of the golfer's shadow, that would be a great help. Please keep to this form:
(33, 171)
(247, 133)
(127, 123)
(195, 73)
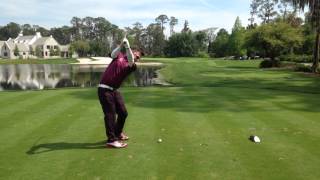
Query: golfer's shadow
(42, 148)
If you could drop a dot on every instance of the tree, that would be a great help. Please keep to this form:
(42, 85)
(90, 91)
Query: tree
(173, 22)
(186, 26)
(43, 31)
(210, 34)
(309, 36)
(38, 52)
(266, 9)
(62, 34)
(52, 52)
(283, 6)
(314, 10)
(81, 47)
(71, 51)
(219, 47)
(180, 45)
(236, 40)
(162, 19)
(11, 30)
(31, 50)
(136, 33)
(76, 27)
(274, 39)
(27, 29)
(16, 51)
(57, 51)
(200, 42)
(98, 48)
(253, 11)
(155, 40)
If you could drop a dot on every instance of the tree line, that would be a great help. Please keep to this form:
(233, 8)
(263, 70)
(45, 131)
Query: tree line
(281, 35)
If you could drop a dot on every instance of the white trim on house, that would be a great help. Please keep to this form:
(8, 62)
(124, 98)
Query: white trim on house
(26, 44)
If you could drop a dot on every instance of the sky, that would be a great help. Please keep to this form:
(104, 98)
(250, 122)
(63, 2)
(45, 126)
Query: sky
(201, 14)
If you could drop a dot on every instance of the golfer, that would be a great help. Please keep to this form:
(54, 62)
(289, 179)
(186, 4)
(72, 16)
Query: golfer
(112, 103)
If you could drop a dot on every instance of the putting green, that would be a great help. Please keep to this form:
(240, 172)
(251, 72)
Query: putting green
(204, 120)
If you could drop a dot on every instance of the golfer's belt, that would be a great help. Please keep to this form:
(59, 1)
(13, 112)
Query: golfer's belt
(106, 87)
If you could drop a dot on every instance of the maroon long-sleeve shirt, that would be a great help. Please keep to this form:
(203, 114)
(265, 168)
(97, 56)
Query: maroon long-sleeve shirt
(117, 71)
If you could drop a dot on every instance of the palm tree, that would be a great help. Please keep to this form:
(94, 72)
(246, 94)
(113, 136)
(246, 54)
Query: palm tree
(162, 19)
(173, 22)
(314, 10)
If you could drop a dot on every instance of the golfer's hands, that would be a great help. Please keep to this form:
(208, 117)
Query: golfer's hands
(125, 43)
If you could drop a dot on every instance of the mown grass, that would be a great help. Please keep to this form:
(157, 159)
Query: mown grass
(204, 120)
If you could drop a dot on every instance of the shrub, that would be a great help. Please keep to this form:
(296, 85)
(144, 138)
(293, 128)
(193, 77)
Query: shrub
(212, 55)
(303, 68)
(296, 58)
(269, 63)
(202, 54)
(288, 64)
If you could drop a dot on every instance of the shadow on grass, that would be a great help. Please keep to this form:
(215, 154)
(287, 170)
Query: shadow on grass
(48, 147)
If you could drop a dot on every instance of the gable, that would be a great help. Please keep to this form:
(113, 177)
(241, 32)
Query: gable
(1, 44)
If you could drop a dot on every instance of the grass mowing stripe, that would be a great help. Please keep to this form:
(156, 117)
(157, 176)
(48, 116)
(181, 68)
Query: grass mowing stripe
(27, 123)
(8, 97)
(245, 151)
(113, 160)
(22, 98)
(63, 145)
(29, 139)
(211, 153)
(289, 166)
(143, 144)
(174, 154)
(280, 142)
(31, 106)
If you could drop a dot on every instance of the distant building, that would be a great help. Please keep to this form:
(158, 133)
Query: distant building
(36, 46)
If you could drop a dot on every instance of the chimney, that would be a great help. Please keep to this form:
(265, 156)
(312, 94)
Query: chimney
(38, 34)
(21, 33)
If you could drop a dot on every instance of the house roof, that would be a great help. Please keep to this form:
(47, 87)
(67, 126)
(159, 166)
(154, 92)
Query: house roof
(41, 41)
(10, 40)
(10, 44)
(24, 38)
(22, 47)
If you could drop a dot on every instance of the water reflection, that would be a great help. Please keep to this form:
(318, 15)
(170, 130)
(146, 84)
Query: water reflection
(47, 76)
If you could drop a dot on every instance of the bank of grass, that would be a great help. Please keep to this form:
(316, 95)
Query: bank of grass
(38, 61)
(204, 120)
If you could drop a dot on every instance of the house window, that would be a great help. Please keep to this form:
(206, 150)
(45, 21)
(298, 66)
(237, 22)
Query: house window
(5, 54)
(48, 47)
(24, 53)
(5, 48)
(55, 47)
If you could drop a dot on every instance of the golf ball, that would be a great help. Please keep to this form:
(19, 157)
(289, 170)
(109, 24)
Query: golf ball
(159, 140)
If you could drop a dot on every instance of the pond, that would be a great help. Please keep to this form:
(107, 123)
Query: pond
(50, 76)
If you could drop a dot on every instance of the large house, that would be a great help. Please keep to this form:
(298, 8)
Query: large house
(36, 46)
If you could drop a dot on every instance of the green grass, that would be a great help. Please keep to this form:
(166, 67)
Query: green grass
(204, 120)
(38, 61)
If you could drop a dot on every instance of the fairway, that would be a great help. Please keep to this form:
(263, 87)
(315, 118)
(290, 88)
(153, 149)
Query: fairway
(204, 120)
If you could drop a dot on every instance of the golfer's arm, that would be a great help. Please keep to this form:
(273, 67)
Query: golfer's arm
(115, 52)
(130, 55)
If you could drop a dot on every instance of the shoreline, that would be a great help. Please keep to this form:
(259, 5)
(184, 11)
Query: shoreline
(107, 61)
